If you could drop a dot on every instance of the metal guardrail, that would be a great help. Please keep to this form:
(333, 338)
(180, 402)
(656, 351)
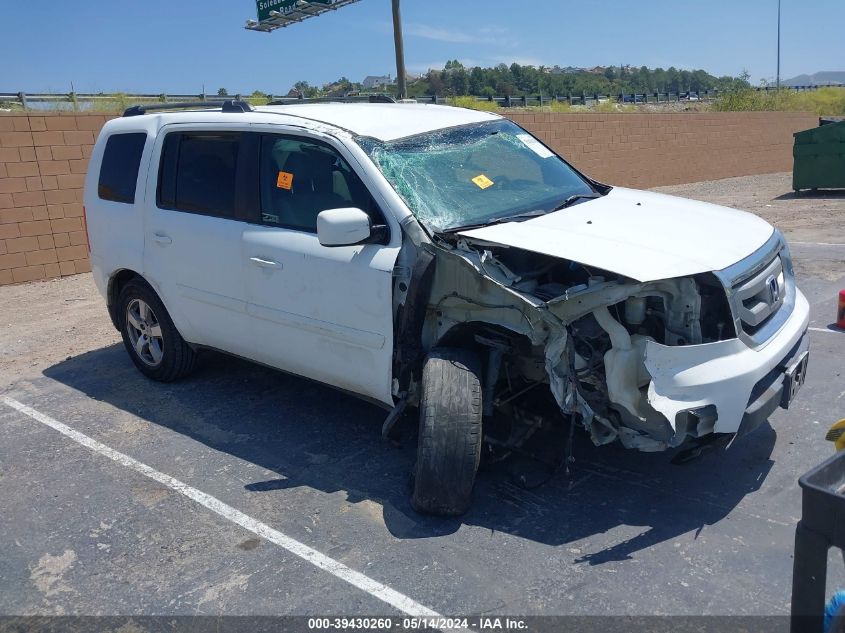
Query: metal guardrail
(584, 98)
(88, 101)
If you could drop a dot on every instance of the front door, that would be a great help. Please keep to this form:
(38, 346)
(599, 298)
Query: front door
(321, 312)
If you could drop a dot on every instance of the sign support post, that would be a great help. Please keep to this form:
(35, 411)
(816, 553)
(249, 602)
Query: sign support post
(277, 14)
(401, 78)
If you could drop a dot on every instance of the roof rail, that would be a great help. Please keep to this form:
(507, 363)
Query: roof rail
(343, 99)
(230, 105)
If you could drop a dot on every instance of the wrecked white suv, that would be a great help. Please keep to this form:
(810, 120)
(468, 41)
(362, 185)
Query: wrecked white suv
(447, 259)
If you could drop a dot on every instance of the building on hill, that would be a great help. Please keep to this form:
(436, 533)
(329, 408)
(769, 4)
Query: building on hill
(377, 81)
(568, 70)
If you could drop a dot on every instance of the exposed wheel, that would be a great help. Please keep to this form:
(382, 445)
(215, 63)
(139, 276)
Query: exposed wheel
(449, 447)
(150, 338)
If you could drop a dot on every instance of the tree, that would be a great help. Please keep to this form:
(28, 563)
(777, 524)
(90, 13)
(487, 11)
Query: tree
(306, 89)
(222, 92)
(516, 80)
(476, 81)
(258, 98)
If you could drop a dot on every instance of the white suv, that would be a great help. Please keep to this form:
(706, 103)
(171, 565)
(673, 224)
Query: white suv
(443, 258)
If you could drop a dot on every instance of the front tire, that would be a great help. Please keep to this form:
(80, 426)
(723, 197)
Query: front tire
(449, 446)
(151, 340)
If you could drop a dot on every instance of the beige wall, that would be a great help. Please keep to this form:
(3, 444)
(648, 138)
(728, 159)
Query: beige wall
(650, 150)
(43, 158)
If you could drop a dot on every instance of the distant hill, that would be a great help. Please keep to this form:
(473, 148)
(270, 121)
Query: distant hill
(835, 77)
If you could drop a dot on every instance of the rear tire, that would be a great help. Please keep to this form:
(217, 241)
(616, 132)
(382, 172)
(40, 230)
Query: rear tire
(449, 446)
(151, 340)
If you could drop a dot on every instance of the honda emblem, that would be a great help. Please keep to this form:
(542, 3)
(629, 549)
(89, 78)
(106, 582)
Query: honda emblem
(774, 289)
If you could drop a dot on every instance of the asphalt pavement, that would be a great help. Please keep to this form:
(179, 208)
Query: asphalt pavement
(626, 533)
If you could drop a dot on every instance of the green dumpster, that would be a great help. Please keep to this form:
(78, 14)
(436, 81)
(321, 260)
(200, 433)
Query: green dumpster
(819, 156)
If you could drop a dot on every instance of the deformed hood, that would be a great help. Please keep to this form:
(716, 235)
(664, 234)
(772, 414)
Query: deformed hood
(639, 234)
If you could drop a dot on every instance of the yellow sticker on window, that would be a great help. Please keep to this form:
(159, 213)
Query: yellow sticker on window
(285, 180)
(483, 181)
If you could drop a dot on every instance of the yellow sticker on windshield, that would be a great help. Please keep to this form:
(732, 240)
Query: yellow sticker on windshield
(483, 181)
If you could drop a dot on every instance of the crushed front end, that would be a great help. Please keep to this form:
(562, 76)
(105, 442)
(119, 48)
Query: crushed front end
(654, 364)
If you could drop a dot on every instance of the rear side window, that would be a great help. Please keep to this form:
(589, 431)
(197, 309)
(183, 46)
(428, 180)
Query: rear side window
(198, 173)
(119, 169)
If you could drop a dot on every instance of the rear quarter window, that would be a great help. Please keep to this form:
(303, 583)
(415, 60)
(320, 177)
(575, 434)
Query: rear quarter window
(119, 168)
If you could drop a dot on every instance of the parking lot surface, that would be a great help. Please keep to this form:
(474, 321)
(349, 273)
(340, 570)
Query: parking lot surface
(85, 532)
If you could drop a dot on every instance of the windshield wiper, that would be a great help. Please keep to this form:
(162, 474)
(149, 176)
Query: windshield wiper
(525, 215)
(575, 198)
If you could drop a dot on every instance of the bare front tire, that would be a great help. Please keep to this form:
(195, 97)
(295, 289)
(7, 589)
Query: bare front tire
(152, 341)
(449, 445)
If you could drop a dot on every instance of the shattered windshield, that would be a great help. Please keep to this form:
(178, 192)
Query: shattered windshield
(475, 174)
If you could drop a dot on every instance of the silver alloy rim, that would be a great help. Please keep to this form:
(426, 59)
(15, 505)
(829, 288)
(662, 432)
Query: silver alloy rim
(144, 332)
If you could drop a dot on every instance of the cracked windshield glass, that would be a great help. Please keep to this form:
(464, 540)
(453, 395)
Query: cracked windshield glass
(475, 174)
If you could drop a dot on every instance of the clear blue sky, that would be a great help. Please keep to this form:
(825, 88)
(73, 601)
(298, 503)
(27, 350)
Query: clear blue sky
(177, 46)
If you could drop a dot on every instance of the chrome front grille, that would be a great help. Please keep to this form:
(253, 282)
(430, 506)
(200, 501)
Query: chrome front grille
(758, 298)
(761, 291)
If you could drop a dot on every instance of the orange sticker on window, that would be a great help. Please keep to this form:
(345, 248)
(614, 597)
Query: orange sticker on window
(483, 181)
(285, 180)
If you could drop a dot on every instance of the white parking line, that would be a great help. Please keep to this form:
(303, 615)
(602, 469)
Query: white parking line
(376, 589)
(814, 243)
(827, 330)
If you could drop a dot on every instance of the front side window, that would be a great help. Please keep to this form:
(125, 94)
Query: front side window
(301, 177)
(198, 172)
(475, 174)
(119, 169)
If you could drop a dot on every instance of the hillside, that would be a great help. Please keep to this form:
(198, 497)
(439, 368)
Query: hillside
(834, 77)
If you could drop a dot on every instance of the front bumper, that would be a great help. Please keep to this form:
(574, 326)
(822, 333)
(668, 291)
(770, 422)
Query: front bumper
(745, 385)
(775, 389)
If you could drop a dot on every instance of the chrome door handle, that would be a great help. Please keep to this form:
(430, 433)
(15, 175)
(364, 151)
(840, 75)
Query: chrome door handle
(264, 263)
(162, 239)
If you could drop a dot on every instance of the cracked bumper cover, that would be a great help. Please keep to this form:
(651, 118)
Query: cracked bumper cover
(744, 384)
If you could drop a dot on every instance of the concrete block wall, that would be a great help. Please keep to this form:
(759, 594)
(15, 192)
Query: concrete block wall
(44, 157)
(651, 150)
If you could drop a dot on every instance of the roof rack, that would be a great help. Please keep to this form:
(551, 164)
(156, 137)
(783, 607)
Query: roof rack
(344, 99)
(230, 105)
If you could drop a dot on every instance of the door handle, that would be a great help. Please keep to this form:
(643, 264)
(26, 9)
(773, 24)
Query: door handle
(160, 238)
(264, 263)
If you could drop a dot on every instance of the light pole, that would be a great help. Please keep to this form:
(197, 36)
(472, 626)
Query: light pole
(400, 51)
(778, 75)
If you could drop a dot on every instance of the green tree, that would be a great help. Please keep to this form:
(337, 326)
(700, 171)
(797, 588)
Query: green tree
(306, 89)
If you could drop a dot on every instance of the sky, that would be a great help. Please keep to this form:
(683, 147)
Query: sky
(179, 47)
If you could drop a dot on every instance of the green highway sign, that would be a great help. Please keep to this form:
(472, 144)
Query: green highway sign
(283, 6)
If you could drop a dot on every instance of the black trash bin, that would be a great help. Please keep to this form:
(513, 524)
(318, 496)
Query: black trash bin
(821, 527)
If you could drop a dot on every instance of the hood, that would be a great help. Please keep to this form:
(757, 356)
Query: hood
(639, 234)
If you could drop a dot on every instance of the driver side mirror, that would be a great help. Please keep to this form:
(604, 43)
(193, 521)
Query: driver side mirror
(345, 227)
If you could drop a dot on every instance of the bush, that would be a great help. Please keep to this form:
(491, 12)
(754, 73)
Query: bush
(560, 106)
(473, 104)
(824, 101)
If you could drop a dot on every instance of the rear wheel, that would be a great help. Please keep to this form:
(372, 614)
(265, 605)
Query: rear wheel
(152, 341)
(449, 445)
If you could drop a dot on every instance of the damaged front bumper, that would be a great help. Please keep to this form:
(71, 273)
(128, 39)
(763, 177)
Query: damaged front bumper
(744, 385)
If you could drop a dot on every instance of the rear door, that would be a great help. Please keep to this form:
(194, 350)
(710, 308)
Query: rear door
(321, 312)
(193, 233)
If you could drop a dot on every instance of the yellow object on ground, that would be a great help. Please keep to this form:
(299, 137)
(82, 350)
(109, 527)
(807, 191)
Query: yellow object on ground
(836, 434)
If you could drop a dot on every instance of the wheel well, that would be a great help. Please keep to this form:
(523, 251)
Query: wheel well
(116, 284)
(463, 335)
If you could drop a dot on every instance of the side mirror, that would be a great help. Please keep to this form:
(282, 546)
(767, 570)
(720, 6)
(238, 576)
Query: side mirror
(343, 227)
